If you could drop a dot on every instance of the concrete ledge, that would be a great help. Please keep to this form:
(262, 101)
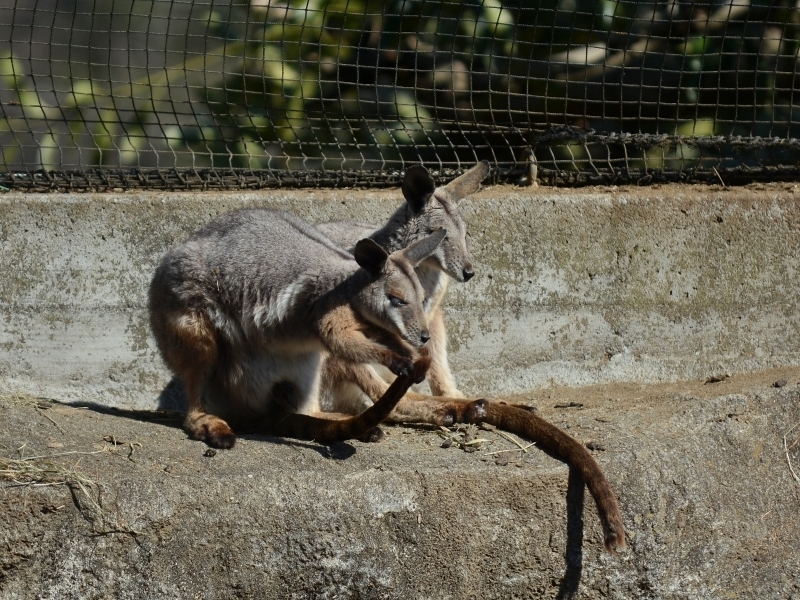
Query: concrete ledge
(706, 493)
(573, 287)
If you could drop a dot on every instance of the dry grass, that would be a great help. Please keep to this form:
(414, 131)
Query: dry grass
(462, 436)
(787, 447)
(39, 471)
(28, 399)
(62, 468)
(43, 470)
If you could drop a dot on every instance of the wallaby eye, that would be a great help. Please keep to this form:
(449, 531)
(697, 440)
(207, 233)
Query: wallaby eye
(397, 302)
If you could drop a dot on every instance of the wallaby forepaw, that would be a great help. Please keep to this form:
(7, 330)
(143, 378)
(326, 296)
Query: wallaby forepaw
(401, 366)
(420, 369)
(476, 411)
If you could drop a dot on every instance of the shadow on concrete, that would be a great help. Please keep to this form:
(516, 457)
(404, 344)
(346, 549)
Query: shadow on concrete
(172, 397)
(573, 555)
(169, 418)
(171, 409)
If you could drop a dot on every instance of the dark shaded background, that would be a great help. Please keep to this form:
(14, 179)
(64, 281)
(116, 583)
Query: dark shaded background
(598, 91)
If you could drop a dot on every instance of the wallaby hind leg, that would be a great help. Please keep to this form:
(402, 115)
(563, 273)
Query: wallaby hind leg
(189, 346)
(440, 377)
(436, 410)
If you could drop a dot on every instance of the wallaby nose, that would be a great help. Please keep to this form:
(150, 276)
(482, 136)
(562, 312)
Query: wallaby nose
(425, 336)
(468, 273)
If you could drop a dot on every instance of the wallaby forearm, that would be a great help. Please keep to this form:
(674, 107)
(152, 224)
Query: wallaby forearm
(343, 335)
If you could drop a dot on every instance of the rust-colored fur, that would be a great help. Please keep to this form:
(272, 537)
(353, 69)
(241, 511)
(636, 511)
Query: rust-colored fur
(533, 427)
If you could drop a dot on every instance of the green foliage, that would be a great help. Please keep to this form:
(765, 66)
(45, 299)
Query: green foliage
(340, 84)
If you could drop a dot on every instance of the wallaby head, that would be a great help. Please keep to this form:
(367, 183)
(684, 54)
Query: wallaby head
(434, 208)
(395, 299)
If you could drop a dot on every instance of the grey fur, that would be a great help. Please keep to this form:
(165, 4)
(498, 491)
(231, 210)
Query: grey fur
(406, 225)
(426, 208)
(266, 280)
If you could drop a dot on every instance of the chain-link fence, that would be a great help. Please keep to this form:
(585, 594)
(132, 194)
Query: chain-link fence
(104, 94)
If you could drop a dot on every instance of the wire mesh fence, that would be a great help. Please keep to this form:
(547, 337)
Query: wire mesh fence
(106, 94)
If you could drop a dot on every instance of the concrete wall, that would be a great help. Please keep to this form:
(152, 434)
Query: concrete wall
(573, 286)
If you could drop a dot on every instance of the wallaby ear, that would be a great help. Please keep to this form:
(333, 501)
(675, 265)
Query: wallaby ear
(418, 186)
(469, 182)
(370, 256)
(422, 249)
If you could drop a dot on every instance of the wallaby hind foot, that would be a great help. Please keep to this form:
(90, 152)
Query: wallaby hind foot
(210, 429)
(190, 350)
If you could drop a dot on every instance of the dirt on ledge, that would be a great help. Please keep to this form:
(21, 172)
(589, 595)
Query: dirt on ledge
(125, 506)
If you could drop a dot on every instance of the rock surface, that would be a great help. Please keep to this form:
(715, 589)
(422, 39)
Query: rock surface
(617, 292)
(700, 469)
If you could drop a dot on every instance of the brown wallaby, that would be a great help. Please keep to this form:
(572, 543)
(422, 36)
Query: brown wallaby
(349, 387)
(426, 209)
(245, 309)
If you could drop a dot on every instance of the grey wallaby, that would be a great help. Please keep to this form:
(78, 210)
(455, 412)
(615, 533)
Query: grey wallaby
(425, 209)
(245, 309)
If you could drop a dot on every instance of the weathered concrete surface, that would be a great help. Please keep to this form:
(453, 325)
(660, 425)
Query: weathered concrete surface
(703, 481)
(573, 287)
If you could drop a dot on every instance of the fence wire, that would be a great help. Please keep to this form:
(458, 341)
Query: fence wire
(176, 94)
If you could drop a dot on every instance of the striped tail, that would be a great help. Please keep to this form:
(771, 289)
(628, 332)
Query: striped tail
(533, 427)
(328, 430)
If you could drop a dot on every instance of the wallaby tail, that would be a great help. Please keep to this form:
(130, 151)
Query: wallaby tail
(531, 426)
(337, 430)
